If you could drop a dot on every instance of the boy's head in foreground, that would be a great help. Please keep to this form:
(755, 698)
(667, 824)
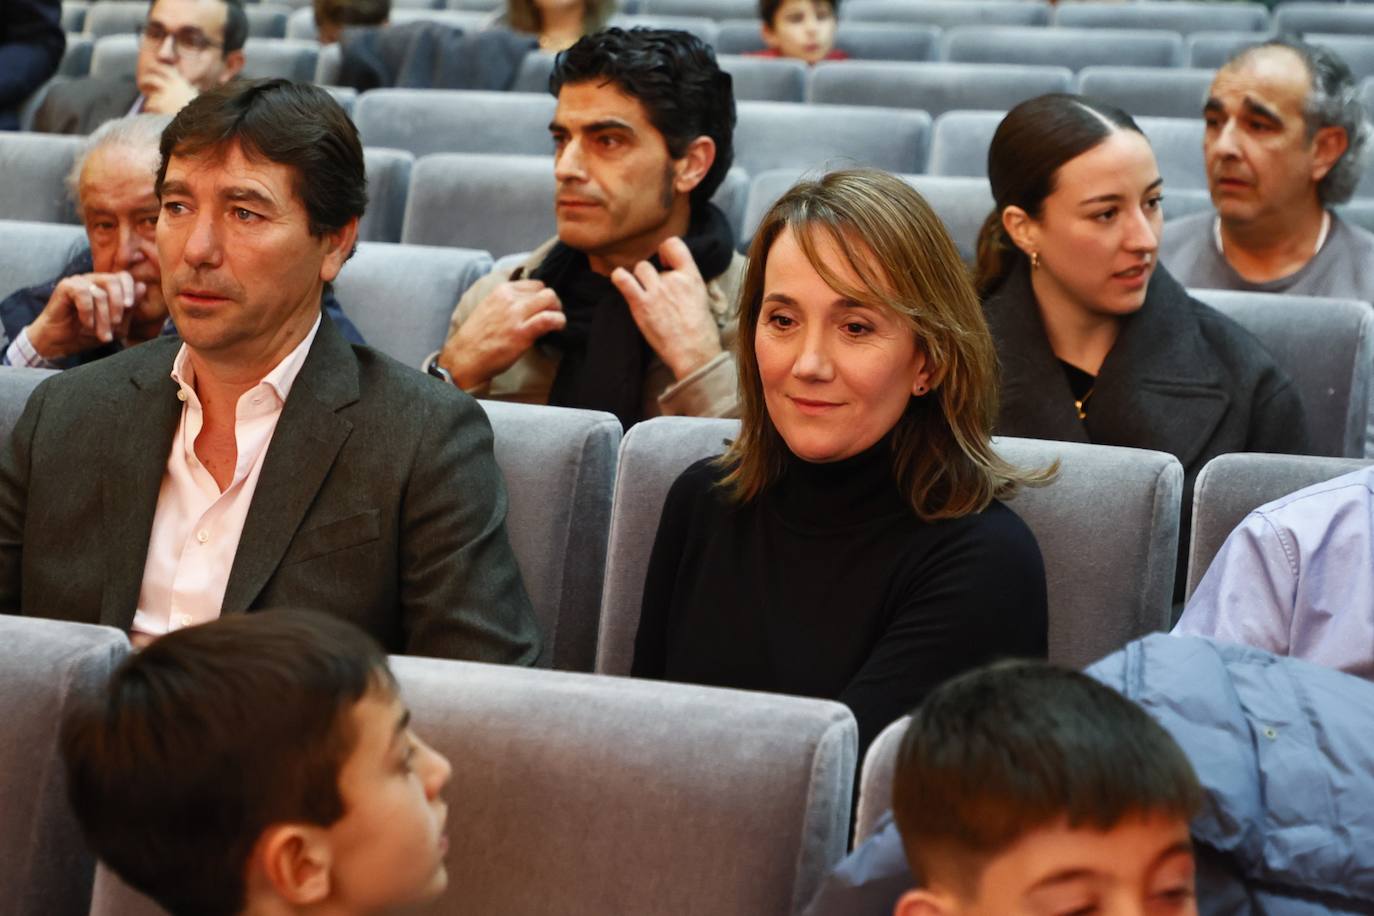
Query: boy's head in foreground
(260, 763)
(1028, 789)
(804, 29)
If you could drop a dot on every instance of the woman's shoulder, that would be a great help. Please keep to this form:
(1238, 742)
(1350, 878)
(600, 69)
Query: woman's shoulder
(699, 484)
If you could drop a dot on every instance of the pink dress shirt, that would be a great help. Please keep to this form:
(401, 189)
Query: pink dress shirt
(196, 527)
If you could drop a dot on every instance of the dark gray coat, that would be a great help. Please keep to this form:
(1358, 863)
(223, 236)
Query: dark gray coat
(82, 105)
(1182, 378)
(379, 500)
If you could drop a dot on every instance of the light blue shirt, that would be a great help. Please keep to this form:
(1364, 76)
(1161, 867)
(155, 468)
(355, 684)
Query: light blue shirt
(1296, 578)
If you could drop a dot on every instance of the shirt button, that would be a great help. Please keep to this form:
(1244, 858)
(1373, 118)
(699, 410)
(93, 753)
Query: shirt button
(181, 394)
(202, 536)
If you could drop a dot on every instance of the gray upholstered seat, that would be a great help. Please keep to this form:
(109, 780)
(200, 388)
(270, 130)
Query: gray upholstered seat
(35, 168)
(1209, 50)
(961, 203)
(1072, 48)
(33, 252)
(1230, 487)
(765, 79)
(401, 296)
(1353, 19)
(1177, 144)
(559, 468)
(265, 20)
(1107, 527)
(933, 87)
(16, 384)
(1359, 211)
(301, 23)
(76, 59)
(586, 796)
(948, 13)
(860, 40)
(1327, 347)
(117, 55)
(959, 142)
(74, 15)
(772, 135)
(426, 121)
(346, 97)
(711, 9)
(45, 667)
(115, 17)
(1356, 50)
(1180, 202)
(1177, 16)
(1148, 91)
(388, 183)
(533, 75)
(875, 780)
(700, 26)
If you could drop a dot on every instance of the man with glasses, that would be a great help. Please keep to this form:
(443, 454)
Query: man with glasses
(185, 47)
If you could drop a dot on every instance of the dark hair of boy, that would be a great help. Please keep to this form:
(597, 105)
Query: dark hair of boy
(674, 75)
(1002, 751)
(208, 737)
(768, 9)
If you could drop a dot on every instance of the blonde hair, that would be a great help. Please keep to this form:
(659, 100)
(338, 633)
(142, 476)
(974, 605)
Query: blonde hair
(523, 15)
(896, 246)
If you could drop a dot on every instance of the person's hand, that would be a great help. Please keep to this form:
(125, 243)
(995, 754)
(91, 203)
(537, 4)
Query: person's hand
(164, 89)
(85, 311)
(671, 308)
(498, 332)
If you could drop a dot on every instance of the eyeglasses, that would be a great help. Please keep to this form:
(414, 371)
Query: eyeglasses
(189, 40)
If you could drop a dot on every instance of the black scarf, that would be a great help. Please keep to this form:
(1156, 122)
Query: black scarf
(604, 355)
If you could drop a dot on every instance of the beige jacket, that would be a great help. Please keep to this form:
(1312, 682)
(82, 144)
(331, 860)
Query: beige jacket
(711, 391)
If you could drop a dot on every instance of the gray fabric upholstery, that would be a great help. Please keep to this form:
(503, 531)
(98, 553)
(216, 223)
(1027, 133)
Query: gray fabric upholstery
(959, 142)
(860, 40)
(961, 203)
(700, 26)
(772, 135)
(1107, 527)
(33, 253)
(576, 795)
(388, 183)
(1185, 201)
(1355, 50)
(454, 197)
(711, 9)
(1072, 48)
(74, 15)
(732, 197)
(1148, 91)
(426, 121)
(117, 55)
(76, 59)
(329, 64)
(1209, 50)
(875, 781)
(400, 296)
(1177, 143)
(533, 75)
(1230, 487)
(264, 20)
(933, 87)
(1359, 211)
(347, 98)
(301, 22)
(948, 13)
(1327, 347)
(15, 387)
(34, 167)
(115, 17)
(559, 467)
(47, 666)
(29, 107)
(765, 79)
(1176, 16)
(1355, 19)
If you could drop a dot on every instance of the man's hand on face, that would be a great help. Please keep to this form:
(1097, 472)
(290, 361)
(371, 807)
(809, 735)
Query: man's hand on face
(671, 308)
(86, 311)
(498, 332)
(165, 90)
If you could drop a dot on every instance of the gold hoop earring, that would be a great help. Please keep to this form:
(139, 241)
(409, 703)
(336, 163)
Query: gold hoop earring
(1035, 260)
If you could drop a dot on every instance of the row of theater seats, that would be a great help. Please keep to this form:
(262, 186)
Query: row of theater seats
(401, 296)
(622, 795)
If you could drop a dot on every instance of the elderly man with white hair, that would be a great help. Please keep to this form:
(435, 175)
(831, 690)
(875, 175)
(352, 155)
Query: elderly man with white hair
(109, 295)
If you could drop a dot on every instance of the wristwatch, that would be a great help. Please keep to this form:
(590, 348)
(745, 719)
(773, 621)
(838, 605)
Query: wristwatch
(438, 371)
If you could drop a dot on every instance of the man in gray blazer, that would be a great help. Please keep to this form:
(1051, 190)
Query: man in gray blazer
(185, 47)
(261, 461)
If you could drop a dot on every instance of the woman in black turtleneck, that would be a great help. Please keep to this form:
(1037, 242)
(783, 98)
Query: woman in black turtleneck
(849, 545)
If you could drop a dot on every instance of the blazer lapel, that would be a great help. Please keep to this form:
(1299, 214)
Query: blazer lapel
(1160, 387)
(142, 423)
(304, 446)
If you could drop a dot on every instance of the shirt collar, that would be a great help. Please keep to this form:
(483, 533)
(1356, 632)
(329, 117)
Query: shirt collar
(280, 379)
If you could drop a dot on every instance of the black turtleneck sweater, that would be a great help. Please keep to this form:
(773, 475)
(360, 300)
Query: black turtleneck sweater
(828, 585)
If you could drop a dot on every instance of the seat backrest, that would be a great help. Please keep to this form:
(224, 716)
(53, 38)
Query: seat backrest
(294, 59)
(875, 780)
(264, 20)
(559, 467)
(1149, 91)
(860, 40)
(16, 384)
(115, 17)
(959, 142)
(1107, 528)
(401, 296)
(1356, 50)
(765, 79)
(617, 796)
(1072, 48)
(1185, 202)
(700, 26)
(45, 667)
(452, 196)
(33, 253)
(76, 59)
(711, 9)
(1176, 16)
(1230, 487)
(388, 184)
(772, 135)
(1177, 144)
(74, 15)
(933, 87)
(1354, 19)
(1326, 346)
(1209, 50)
(534, 72)
(1358, 211)
(948, 13)
(426, 121)
(35, 167)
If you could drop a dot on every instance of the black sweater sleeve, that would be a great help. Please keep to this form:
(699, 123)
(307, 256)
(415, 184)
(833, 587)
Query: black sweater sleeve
(978, 597)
